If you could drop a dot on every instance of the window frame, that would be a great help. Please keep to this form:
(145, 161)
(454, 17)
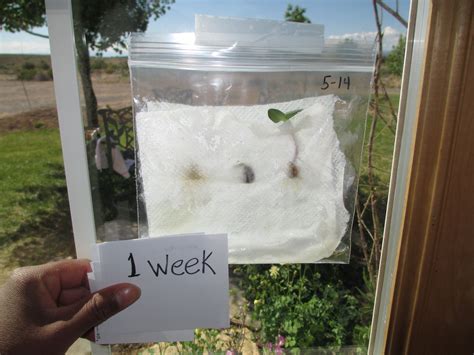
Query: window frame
(418, 26)
(66, 84)
(430, 306)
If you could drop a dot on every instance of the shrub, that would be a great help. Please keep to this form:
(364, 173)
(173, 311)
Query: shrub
(28, 66)
(26, 74)
(43, 76)
(394, 60)
(43, 65)
(361, 335)
(98, 64)
(294, 302)
(39, 124)
(34, 74)
(123, 67)
(111, 68)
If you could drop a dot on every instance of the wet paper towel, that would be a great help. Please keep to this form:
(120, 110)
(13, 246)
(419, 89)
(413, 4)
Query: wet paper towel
(276, 189)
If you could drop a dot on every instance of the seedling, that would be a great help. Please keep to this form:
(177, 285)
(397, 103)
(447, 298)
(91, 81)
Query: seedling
(278, 116)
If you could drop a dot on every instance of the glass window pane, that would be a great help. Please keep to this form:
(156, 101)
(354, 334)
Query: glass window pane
(326, 307)
(299, 306)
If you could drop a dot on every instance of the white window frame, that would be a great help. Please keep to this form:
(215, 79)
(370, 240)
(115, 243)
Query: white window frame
(66, 85)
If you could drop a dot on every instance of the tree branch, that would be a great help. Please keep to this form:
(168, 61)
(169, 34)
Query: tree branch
(392, 109)
(370, 147)
(365, 248)
(366, 204)
(36, 34)
(242, 324)
(393, 13)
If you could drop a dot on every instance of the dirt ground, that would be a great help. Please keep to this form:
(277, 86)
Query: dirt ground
(37, 118)
(23, 96)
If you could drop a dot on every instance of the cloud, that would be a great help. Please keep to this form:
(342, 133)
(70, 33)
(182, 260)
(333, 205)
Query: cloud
(390, 38)
(40, 46)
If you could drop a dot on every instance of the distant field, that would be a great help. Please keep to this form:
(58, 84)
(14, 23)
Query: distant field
(11, 64)
(26, 85)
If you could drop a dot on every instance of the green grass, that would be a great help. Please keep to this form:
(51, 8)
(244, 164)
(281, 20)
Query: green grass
(382, 162)
(34, 213)
(383, 148)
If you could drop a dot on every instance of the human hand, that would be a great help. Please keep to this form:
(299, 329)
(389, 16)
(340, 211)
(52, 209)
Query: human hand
(46, 308)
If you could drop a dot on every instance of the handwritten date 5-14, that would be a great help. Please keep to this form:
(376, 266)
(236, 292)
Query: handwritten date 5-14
(343, 82)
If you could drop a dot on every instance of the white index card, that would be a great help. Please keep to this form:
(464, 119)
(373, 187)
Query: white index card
(144, 337)
(183, 279)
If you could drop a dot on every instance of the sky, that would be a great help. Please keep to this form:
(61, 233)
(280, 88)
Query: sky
(341, 18)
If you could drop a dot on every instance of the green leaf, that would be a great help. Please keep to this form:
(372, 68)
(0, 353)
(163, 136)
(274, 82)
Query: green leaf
(276, 115)
(292, 113)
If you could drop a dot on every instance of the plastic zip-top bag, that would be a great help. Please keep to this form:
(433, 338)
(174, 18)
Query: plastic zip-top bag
(251, 137)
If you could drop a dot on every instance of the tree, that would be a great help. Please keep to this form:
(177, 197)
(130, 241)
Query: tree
(296, 14)
(98, 25)
(395, 58)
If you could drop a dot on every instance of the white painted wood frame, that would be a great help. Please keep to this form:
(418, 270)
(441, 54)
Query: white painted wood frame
(68, 103)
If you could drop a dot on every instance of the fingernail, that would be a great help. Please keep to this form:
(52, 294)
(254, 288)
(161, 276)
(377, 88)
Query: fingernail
(127, 295)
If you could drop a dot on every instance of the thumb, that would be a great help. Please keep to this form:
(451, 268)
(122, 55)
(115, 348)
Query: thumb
(103, 305)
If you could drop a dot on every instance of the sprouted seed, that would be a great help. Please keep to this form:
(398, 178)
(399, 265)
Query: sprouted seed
(279, 116)
(293, 170)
